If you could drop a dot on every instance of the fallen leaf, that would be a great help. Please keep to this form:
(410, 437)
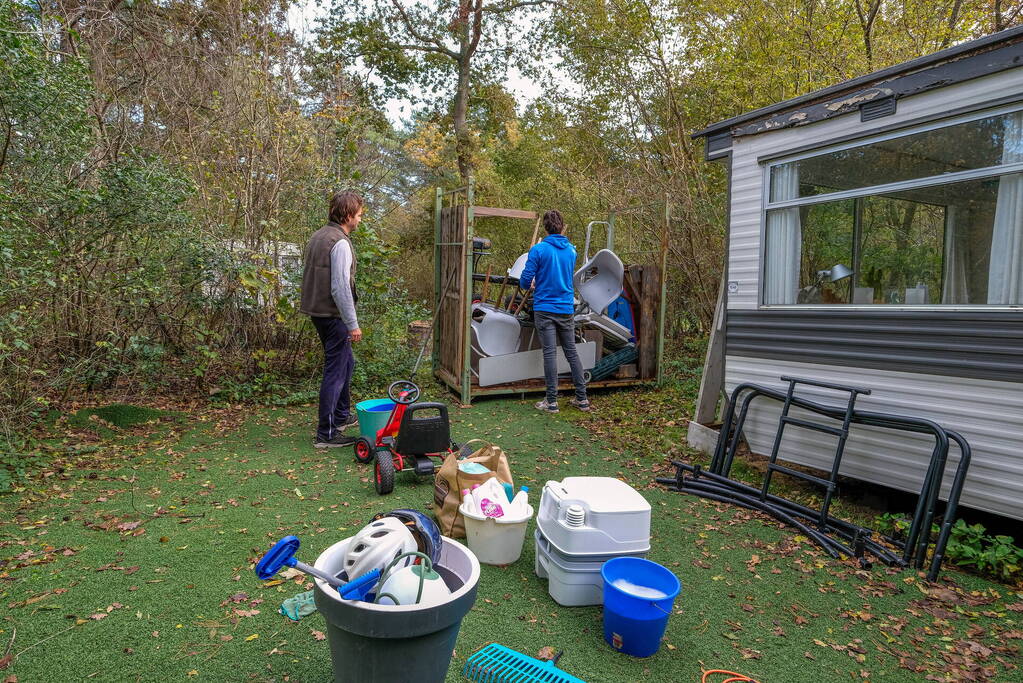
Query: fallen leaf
(252, 637)
(5, 661)
(318, 635)
(98, 616)
(546, 653)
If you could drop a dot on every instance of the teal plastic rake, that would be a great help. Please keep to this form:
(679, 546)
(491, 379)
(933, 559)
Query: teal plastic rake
(499, 664)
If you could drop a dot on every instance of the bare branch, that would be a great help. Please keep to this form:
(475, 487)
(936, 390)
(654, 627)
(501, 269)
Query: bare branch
(477, 27)
(501, 9)
(440, 47)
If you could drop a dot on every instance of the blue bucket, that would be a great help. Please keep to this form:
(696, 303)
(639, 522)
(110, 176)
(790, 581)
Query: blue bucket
(638, 597)
(373, 416)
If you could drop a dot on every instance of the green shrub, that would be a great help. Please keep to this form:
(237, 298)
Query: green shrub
(893, 524)
(998, 556)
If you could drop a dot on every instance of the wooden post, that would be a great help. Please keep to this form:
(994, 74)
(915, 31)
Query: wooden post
(528, 293)
(713, 379)
(536, 229)
(500, 293)
(467, 295)
(486, 285)
(650, 294)
(438, 207)
(662, 304)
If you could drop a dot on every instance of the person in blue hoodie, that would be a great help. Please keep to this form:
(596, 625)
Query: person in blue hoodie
(549, 270)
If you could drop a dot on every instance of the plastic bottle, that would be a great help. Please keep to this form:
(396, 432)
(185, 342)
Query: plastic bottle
(489, 496)
(509, 491)
(520, 503)
(469, 502)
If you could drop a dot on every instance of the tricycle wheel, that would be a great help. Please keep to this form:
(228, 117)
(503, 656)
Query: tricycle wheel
(383, 472)
(363, 450)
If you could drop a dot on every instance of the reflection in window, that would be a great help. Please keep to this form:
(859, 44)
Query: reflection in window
(957, 243)
(928, 245)
(977, 144)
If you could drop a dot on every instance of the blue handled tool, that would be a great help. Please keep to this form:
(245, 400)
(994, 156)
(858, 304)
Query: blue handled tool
(357, 589)
(282, 554)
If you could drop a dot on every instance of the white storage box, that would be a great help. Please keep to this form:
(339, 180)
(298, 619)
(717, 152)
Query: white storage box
(571, 583)
(594, 517)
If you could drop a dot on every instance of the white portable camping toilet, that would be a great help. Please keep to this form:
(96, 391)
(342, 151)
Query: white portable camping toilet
(582, 523)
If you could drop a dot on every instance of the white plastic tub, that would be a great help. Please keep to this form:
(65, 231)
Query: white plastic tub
(495, 540)
(572, 582)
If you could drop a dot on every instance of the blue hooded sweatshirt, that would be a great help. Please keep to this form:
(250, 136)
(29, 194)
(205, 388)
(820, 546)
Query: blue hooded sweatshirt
(551, 263)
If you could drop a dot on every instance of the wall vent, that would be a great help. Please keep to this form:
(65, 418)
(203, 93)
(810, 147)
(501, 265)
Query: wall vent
(877, 109)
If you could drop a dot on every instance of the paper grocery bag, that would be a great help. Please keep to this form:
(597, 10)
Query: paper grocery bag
(449, 482)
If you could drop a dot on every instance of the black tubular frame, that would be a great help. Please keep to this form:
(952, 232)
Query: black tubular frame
(831, 483)
(702, 480)
(715, 483)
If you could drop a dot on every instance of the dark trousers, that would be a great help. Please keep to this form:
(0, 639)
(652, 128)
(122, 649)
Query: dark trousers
(555, 327)
(335, 389)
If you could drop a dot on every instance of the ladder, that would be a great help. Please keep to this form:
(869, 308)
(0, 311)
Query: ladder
(830, 484)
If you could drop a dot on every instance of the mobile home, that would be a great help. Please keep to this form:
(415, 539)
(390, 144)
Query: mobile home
(875, 238)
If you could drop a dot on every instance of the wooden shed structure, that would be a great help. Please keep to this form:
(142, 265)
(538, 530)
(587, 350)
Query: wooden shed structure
(458, 220)
(875, 239)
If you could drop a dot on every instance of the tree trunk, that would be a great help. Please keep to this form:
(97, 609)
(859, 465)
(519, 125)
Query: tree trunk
(462, 137)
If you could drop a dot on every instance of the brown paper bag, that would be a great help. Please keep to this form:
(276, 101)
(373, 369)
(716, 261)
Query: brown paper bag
(449, 482)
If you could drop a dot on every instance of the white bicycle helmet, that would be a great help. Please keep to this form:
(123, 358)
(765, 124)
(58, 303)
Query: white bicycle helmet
(376, 545)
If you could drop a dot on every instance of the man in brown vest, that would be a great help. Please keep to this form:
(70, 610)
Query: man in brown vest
(329, 298)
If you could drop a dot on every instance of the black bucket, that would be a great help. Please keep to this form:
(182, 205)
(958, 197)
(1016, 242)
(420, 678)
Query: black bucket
(396, 643)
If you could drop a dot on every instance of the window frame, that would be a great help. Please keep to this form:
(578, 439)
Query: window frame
(936, 123)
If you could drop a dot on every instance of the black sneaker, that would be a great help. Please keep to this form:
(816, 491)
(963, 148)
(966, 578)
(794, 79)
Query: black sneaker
(352, 421)
(337, 442)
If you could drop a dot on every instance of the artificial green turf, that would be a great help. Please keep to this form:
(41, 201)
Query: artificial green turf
(116, 415)
(90, 598)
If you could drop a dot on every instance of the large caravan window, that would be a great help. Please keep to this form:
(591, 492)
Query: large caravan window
(926, 218)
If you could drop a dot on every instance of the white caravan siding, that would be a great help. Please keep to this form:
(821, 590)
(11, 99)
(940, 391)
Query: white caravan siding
(988, 413)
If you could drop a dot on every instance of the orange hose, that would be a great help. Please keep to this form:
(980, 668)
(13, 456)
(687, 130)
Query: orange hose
(734, 677)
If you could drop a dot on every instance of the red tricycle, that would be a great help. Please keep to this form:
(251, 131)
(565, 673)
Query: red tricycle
(415, 434)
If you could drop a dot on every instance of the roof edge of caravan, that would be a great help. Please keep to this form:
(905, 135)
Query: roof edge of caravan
(874, 93)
